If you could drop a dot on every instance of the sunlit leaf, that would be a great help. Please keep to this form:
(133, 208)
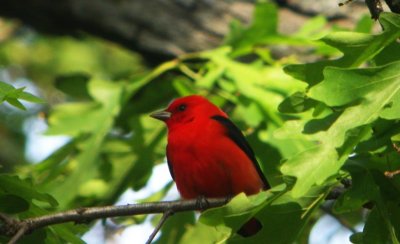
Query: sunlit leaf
(74, 85)
(356, 47)
(12, 95)
(24, 189)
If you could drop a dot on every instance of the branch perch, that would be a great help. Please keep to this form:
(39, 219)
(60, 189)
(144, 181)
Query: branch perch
(16, 229)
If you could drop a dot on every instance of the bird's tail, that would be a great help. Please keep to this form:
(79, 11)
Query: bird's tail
(252, 227)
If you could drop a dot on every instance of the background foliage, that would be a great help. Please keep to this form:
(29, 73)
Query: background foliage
(311, 124)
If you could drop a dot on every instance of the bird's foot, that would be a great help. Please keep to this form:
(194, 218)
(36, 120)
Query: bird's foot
(202, 202)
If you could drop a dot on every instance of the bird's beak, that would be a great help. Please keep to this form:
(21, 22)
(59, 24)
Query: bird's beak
(161, 115)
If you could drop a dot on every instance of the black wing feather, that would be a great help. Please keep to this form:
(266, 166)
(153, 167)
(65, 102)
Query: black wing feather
(236, 135)
(171, 169)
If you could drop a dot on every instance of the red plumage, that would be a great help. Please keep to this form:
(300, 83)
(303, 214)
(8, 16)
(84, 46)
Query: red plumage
(207, 154)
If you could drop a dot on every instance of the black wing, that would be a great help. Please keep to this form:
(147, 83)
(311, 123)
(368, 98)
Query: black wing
(236, 135)
(171, 170)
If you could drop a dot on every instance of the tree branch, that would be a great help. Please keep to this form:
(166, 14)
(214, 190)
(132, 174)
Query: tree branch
(18, 235)
(164, 218)
(160, 29)
(375, 8)
(16, 228)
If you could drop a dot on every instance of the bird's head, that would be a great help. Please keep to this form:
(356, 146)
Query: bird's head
(184, 110)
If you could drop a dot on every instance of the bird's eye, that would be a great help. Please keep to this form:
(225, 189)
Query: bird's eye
(182, 107)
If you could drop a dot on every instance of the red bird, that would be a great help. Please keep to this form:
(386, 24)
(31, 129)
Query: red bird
(207, 154)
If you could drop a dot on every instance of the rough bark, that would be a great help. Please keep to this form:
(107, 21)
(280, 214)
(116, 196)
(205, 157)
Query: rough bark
(159, 29)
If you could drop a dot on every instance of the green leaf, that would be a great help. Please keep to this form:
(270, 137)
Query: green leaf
(380, 87)
(219, 222)
(12, 95)
(343, 86)
(49, 168)
(93, 188)
(296, 103)
(75, 85)
(5, 89)
(356, 48)
(77, 119)
(201, 233)
(229, 214)
(276, 210)
(255, 83)
(392, 109)
(38, 236)
(214, 72)
(318, 164)
(264, 25)
(95, 150)
(15, 103)
(389, 54)
(144, 146)
(63, 119)
(22, 198)
(310, 167)
(183, 87)
(357, 238)
(172, 231)
(12, 204)
(364, 24)
(375, 230)
(15, 93)
(286, 211)
(30, 98)
(69, 233)
(312, 28)
(363, 190)
(251, 113)
(369, 185)
(24, 189)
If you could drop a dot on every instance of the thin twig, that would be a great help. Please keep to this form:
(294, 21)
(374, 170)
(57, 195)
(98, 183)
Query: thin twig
(18, 235)
(7, 220)
(164, 218)
(397, 148)
(391, 174)
(9, 225)
(17, 228)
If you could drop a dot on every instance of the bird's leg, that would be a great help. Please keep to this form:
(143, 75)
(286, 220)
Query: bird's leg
(202, 202)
